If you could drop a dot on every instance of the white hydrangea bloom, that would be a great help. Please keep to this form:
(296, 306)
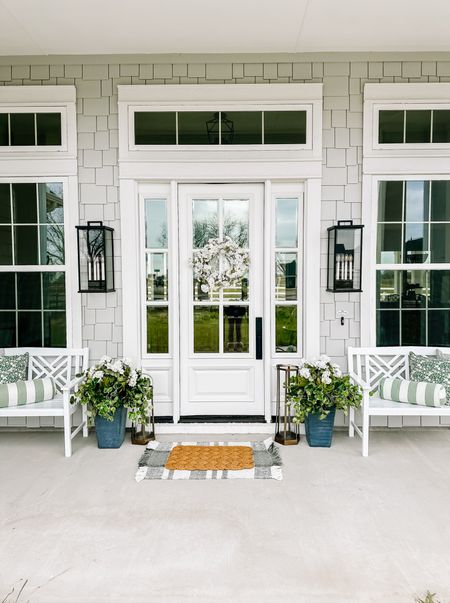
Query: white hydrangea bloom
(133, 378)
(117, 367)
(321, 364)
(326, 378)
(98, 375)
(337, 370)
(305, 372)
(105, 359)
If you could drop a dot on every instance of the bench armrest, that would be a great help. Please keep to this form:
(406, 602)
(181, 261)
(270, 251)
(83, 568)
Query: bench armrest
(354, 377)
(72, 384)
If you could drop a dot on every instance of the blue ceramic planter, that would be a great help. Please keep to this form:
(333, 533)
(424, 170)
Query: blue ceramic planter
(111, 434)
(320, 432)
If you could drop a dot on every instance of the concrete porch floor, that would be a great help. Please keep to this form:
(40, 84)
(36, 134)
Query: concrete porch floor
(338, 528)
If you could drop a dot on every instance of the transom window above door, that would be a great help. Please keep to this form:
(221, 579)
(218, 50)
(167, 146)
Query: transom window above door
(181, 128)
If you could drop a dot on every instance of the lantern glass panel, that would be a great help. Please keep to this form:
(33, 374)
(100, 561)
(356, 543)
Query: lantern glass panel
(344, 258)
(109, 260)
(95, 258)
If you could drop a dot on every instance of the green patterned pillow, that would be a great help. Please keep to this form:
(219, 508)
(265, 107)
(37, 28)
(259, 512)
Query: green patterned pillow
(431, 370)
(14, 368)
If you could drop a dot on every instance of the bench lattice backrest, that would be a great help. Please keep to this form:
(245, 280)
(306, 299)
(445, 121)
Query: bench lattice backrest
(372, 364)
(61, 365)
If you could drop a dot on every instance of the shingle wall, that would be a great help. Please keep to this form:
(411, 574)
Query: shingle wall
(96, 80)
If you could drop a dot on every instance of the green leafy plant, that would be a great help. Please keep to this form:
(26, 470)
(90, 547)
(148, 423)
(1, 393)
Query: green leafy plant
(429, 598)
(319, 387)
(111, 384)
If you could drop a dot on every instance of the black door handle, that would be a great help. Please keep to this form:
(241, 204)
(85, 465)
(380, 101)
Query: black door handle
(259, 338)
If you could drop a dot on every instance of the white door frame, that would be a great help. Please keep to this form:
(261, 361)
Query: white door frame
(169, 168)
(241, 369)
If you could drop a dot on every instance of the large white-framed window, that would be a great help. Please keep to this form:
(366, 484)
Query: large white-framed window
(39, 306)
(406, 205)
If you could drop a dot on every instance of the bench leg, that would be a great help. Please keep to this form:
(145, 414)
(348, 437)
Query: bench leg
(351, 421)
(67, 435)
(365, 425)
(85, 421)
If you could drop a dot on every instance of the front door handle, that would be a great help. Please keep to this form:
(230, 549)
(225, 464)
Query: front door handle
(259, 338)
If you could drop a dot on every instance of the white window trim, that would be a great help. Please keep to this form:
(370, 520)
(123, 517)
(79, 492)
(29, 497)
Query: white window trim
(51, 160)
(135, 159)
(423, 162)
(46, 164)
(271, 167)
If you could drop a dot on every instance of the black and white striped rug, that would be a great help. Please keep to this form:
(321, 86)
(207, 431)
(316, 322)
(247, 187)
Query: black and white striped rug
(265, 453)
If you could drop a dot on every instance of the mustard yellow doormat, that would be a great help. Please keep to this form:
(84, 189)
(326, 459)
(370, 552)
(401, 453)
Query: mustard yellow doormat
(210, 460)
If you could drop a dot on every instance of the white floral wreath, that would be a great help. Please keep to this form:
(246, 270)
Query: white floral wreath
(220, 264)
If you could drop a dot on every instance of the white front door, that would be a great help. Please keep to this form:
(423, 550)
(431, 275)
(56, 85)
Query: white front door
(221, 366)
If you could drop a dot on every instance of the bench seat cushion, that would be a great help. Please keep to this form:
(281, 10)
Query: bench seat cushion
(379, 406)
(49, 408)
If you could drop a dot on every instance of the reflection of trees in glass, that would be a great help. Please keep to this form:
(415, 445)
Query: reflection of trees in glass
(54, 244)
(162, 237)
(236, 229)
(207, 228)
(52, 213)
(203, 230)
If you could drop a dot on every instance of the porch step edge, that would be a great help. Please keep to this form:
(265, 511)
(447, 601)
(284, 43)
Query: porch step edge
(214, 428)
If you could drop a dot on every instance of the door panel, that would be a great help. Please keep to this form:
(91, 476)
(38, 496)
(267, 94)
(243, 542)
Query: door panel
(219, 372)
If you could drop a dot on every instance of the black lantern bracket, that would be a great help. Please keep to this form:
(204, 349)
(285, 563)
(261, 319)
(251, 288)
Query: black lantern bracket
(344, 269)
(95, 258)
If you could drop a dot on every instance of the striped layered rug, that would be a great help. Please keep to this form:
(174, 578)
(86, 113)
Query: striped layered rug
(261, 460)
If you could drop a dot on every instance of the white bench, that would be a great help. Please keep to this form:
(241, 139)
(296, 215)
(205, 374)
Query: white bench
(62, 365)
(366, 366)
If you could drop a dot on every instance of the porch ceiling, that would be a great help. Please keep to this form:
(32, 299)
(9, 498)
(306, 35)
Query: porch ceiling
(30, 27)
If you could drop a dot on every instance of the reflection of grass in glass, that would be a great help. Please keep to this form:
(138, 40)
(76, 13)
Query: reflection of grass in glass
(157, 330)
(286, 328)
(206, 329)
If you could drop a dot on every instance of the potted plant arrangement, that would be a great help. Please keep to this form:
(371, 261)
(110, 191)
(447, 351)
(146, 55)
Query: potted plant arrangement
(316, 393)
(111, 390)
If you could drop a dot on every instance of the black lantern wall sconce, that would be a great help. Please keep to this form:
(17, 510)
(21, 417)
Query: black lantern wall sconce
(344, 257)
(95, 258)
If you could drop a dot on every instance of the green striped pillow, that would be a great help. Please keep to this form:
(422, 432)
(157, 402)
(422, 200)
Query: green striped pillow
(26, 392)
(413, 392)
